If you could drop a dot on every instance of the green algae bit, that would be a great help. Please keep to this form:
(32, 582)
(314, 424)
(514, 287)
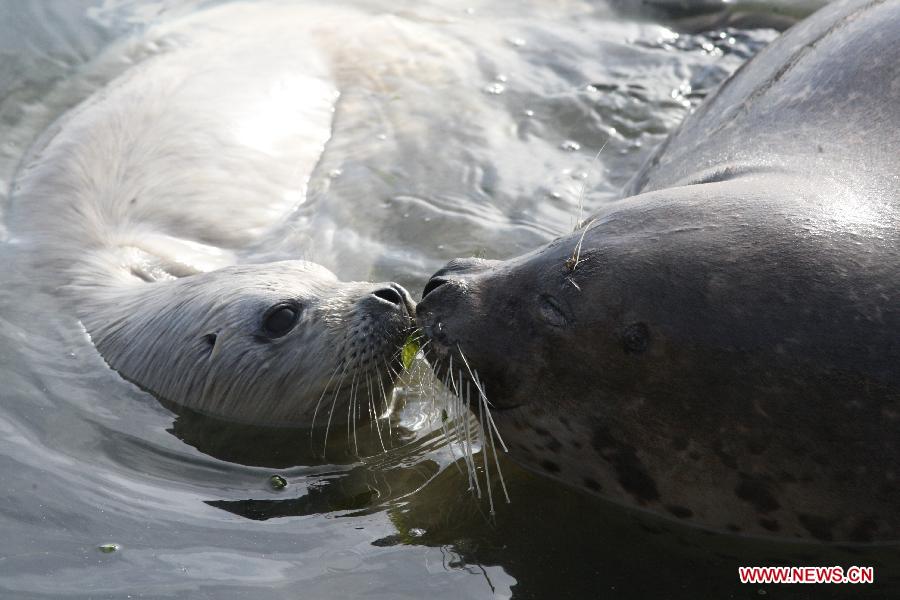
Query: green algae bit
(108, 548)
(410, 349)
(277, 482)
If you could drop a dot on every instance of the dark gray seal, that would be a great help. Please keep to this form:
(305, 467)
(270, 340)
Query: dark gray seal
(724, 346)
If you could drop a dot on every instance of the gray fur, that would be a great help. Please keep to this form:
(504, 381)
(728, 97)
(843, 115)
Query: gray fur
(721, 348)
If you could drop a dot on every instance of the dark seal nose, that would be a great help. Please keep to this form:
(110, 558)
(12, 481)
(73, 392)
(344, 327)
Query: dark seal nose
(433, 284)
(398, 296)
(458, 267)
(465, 266)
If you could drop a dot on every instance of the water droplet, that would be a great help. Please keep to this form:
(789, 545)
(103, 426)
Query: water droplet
(555, 196)
(528, 112)
(500, 77)
(416, 532)
(570, 146)
(334, 173)
(495, 88)
(515, 41)
(381, 136)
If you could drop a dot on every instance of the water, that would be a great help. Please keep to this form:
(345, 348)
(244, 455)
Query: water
(486, 144)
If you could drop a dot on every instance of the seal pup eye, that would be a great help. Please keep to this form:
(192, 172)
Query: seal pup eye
(280, 319)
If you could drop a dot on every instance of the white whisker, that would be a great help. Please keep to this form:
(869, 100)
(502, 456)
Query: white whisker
(493, 445)
(584, 183)
(319, 402)
(333, 404)
(484, 453)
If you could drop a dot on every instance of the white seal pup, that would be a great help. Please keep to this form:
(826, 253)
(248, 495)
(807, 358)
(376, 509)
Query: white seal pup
(135, 206)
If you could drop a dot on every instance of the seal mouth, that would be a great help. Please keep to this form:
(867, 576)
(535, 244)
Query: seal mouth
(441, 347)
(432, 327)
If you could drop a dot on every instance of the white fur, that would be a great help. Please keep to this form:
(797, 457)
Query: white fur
(139, 201)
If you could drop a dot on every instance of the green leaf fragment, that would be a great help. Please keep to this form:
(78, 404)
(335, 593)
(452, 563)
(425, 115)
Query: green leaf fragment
(277, 482)
(410, 349)
(108, 548)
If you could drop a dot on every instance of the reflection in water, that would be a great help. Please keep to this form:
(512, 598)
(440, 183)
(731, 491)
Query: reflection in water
(457, 131)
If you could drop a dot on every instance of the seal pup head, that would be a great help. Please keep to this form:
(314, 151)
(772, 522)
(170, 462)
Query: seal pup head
(279, 343)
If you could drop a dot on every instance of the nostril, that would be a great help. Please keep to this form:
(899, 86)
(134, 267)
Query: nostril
(433, 284)
(389, 294)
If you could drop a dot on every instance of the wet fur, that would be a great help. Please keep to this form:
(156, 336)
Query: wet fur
(723, 350)
(134, 206)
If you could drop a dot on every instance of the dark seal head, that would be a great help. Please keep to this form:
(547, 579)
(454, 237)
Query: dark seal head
(722, 347)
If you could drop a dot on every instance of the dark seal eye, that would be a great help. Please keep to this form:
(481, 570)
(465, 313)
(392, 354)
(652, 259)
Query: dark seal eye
(551, 311)
(636, 338)
(280, 319)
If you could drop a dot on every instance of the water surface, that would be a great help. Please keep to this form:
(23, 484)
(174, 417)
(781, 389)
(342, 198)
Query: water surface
(488, 143)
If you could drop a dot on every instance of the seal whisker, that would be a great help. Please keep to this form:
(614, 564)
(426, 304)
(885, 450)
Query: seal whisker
(573, 261)
(373, 417)
(333, 404)
(484, 397)
(488, 430)
(473, 474)
(433, 393)
(466, 440)
(446, 429)
(584, 183)
(369, 402)
(460, 425)
(319, 402)
(386, 415)
(492, 429)
(351, 414)
(484, 457)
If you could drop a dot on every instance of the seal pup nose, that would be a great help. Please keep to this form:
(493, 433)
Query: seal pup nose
(389, 294)
(398, 296)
